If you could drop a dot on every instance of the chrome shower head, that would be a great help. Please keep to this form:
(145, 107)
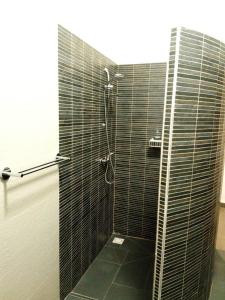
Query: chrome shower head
(118, 76)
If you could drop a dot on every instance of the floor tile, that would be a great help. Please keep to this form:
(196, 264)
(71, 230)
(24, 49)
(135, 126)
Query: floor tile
(120, 292)
(134, 271)
(217, 294)
(138, 245)
(219, 269)
(218, 287)
(73, 297)
(97, 280)
(149, 279)
(120, 272)
(115, 255)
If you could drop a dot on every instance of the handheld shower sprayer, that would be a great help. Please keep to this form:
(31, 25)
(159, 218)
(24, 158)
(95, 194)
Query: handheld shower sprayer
(107, 72)
(107, 160)
(117, 76)
(108, 86)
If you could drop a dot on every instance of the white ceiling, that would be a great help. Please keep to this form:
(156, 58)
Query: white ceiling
(127, 31)
(138, 31)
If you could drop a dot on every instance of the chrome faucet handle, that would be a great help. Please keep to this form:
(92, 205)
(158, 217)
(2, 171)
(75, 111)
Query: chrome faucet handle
(101, 160)
(109, 155)
(104, 159)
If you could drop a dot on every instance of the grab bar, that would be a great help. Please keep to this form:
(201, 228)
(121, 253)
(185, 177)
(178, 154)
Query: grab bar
(6, 173)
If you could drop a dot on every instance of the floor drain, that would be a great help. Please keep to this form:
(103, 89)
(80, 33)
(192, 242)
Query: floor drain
(118, 241)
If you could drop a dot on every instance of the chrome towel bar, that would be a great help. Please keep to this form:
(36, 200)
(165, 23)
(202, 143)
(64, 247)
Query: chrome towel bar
(6, 173)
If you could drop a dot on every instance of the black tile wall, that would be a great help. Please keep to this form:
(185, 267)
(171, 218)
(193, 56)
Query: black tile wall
(191, 166)
(139, 116)
(85, 199)
(191, 159)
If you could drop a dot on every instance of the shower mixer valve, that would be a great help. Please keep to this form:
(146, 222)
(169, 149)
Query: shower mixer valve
(105, 159)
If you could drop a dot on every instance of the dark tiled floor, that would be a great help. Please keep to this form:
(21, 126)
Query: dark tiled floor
(120, 272)
(218, 285)
(124, 272)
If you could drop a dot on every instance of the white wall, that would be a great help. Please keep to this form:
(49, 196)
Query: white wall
(125, 31)
(28, 136)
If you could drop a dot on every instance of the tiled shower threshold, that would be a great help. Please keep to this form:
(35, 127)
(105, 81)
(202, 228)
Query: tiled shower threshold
(119, 272)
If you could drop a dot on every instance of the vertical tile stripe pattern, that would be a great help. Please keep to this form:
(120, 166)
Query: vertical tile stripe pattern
(139, 116)
(85, 199)
(191, 166)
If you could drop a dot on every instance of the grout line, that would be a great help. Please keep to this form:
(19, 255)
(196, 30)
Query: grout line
(130, 287)
(70, 202)
(115, 153)
(168, 164)
(132, 236)
(192, 172)
(91, 155)
(114, 277)
(146, 149)
(160, 178)
(130, 154)
(83, 296)
(108, 261)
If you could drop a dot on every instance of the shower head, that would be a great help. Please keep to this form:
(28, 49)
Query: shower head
(118, 76)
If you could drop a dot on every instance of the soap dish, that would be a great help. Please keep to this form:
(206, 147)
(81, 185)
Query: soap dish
(155, 143)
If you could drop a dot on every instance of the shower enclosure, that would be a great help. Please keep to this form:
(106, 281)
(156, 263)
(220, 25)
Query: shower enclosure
(146, 163)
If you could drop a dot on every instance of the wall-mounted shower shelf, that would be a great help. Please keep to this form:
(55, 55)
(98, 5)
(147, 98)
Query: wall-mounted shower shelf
(155, 143)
